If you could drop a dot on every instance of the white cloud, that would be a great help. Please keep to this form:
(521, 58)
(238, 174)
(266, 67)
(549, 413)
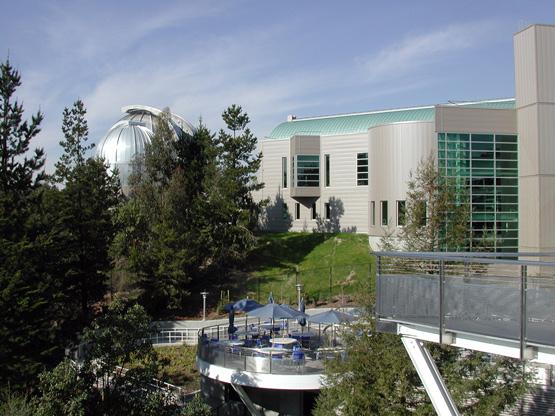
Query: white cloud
(418, 51)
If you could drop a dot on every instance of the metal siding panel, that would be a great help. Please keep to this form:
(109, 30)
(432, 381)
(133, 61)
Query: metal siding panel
(343, 151)
(474, 120)
(546, 139)
(545, 46)
(546, 213)
(395, 151)
(525, 67)
(528, 140)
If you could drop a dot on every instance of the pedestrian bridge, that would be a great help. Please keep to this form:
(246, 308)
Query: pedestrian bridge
(496, 303)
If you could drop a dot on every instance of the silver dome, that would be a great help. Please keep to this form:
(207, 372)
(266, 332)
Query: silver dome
(131, 134)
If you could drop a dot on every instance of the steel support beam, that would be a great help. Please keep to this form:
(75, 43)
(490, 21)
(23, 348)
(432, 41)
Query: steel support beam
(431, 378)
(246, 399)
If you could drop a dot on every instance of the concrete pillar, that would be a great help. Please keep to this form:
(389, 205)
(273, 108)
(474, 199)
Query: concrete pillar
(534, 49)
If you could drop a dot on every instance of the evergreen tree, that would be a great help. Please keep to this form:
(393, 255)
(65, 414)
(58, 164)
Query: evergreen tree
(236, 211)
(29, 284)
(76, 131)
(87, 199)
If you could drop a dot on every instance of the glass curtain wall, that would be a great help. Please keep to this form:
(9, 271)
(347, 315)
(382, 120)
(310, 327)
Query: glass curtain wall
(485, 168)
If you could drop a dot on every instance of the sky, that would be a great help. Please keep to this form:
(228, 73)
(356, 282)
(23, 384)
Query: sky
(273, 58)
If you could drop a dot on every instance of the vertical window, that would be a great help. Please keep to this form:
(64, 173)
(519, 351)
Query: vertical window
(373, 212)
(308, 170)
(401, 213)
(297, 211)
(285, 211)
(384, 212)
(284, 172)
(313, 210)
(362, 168)
(327, 167)
(327, 210)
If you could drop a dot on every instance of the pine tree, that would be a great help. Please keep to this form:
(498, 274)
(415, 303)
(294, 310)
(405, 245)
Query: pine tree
(236, 209)
(76, 131)
(89, 194)
(29, 287)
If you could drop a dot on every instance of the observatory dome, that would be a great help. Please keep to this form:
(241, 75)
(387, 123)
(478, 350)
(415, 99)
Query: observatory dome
(131, 134)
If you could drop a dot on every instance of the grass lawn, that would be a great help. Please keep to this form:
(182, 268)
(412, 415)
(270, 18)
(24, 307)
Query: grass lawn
(178, 366)
(326, 264)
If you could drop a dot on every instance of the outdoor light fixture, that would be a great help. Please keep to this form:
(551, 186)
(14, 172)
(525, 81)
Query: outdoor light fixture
(299, 287)
(204, 304)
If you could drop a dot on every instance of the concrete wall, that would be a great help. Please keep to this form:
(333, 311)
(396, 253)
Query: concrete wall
(395, 152)
(535, 102)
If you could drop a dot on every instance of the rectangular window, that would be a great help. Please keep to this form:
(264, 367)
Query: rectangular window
(285, 211)
(308, 170)
(313, 210)
(328, 210)
(384, 212)
(373, 212)
(297, 211)
(284, 172)
(362, 169)
(401, 213)
(327, 167)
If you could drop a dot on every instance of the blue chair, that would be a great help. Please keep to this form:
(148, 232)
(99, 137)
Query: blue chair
(297, 355)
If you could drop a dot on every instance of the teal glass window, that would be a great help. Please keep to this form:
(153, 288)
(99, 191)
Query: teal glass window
(384, 212)
(362, 169)
(484, 168)
(327, 167)
(401, 213)
(284, 172)
(308, 170)
(373, 212)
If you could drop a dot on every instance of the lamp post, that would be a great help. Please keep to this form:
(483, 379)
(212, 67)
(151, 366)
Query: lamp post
(204, 304)
(299, 287)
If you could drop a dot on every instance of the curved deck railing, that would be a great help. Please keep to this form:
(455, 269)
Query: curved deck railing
(213, 348)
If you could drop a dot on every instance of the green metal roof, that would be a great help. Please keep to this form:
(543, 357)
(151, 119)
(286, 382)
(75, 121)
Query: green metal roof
(361, 122)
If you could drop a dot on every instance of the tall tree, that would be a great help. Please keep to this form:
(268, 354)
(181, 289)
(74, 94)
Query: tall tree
(237, 210)
(29, 322)
(191, 211)
(76, 134)
(89, 195)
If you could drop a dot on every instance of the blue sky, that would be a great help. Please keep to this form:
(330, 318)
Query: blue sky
(273, 58)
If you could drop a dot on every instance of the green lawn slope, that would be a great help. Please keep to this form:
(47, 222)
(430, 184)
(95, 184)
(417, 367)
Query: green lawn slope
(330, 266)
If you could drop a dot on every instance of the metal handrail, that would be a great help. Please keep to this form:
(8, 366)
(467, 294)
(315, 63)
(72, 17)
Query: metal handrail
(461, 257)
(512, 302)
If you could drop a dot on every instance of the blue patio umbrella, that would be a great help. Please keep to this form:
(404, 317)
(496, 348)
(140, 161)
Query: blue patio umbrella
(332, 317)
(246, 305)
(273, 311)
